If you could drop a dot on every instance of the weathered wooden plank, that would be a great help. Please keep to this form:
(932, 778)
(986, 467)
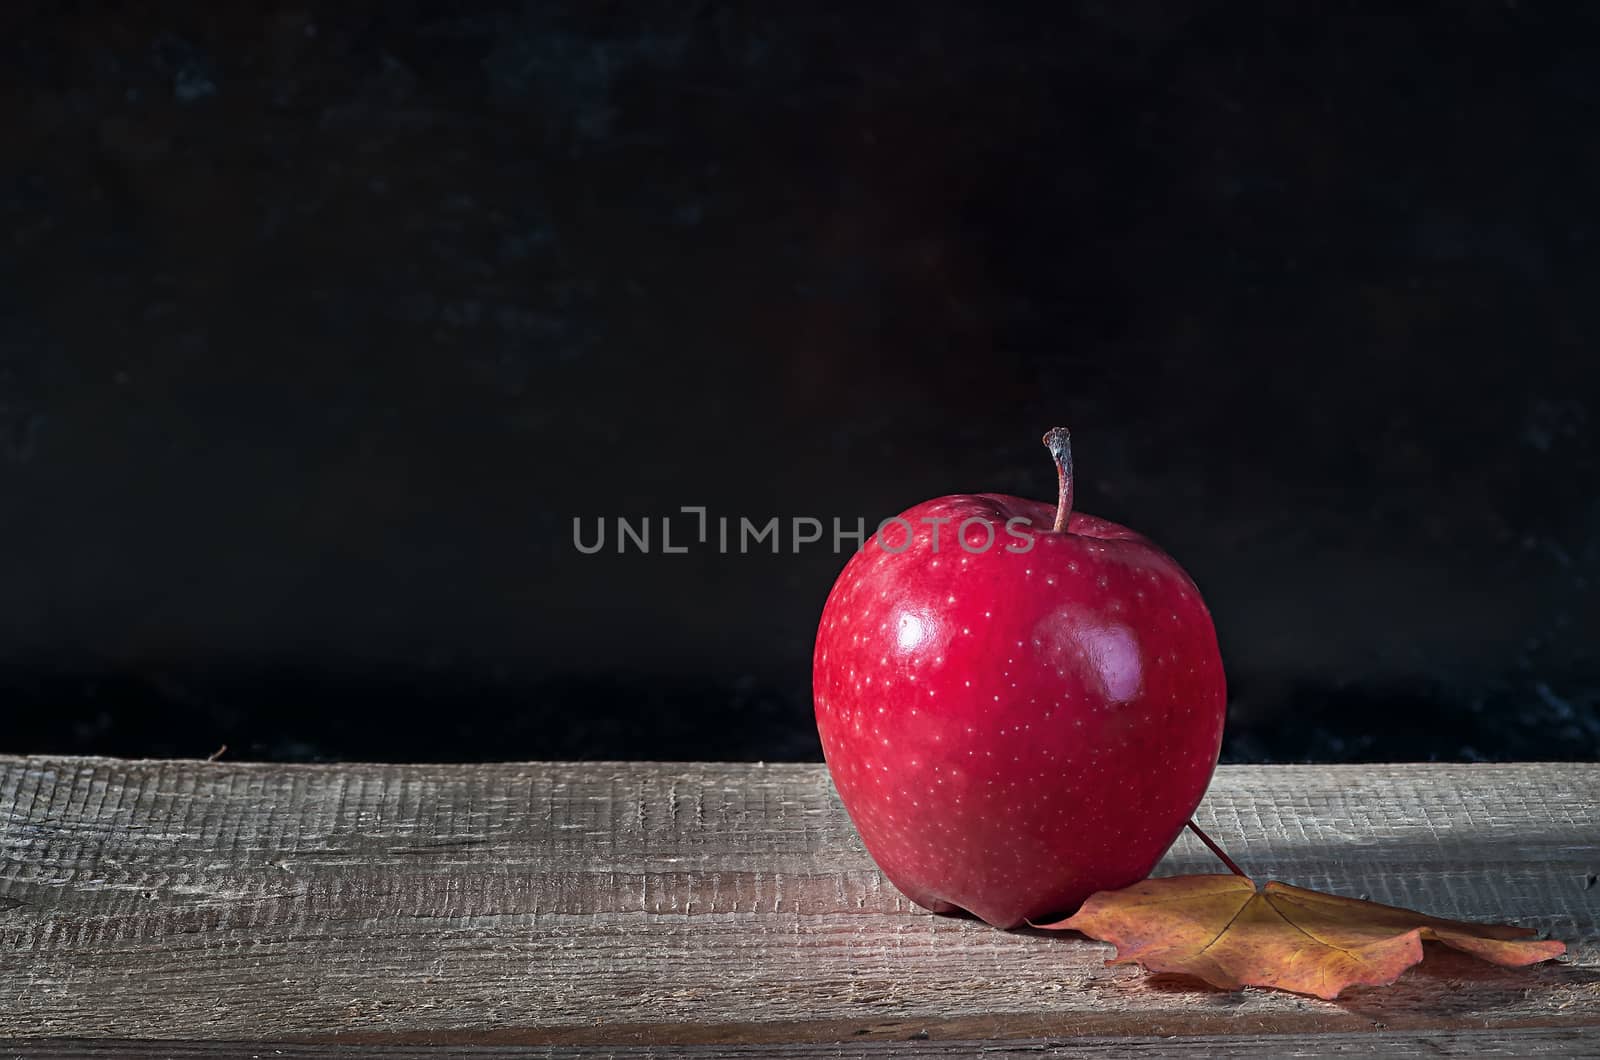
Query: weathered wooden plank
(1521, 1042)
(627, 904)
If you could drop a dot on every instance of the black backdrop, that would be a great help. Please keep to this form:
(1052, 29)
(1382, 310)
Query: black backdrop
(318, 328)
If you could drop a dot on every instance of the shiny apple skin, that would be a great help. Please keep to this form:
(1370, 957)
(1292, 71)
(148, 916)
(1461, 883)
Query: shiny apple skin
(1011, 732)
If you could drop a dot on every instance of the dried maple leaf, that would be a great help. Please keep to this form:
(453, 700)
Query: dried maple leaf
(1226, 931)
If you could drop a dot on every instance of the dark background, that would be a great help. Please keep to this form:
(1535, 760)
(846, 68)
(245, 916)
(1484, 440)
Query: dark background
(318, 328)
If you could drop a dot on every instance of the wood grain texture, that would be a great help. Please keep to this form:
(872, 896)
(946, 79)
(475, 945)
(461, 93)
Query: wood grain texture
(626, 905)
(1517, 1042)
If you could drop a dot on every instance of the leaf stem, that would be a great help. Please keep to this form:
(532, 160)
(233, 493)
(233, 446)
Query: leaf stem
(1218, 851)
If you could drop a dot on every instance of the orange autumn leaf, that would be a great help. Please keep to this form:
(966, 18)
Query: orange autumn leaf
(1223, 930)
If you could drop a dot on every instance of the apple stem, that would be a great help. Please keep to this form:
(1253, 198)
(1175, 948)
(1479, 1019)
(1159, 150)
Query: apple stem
(1059, 442)
(1226, 860)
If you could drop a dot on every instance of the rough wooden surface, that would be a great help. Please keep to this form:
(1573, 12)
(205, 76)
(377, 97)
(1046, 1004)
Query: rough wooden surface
(602, 905)
(1391, 1045)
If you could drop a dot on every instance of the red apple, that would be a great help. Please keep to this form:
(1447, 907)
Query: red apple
(1020, 704)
